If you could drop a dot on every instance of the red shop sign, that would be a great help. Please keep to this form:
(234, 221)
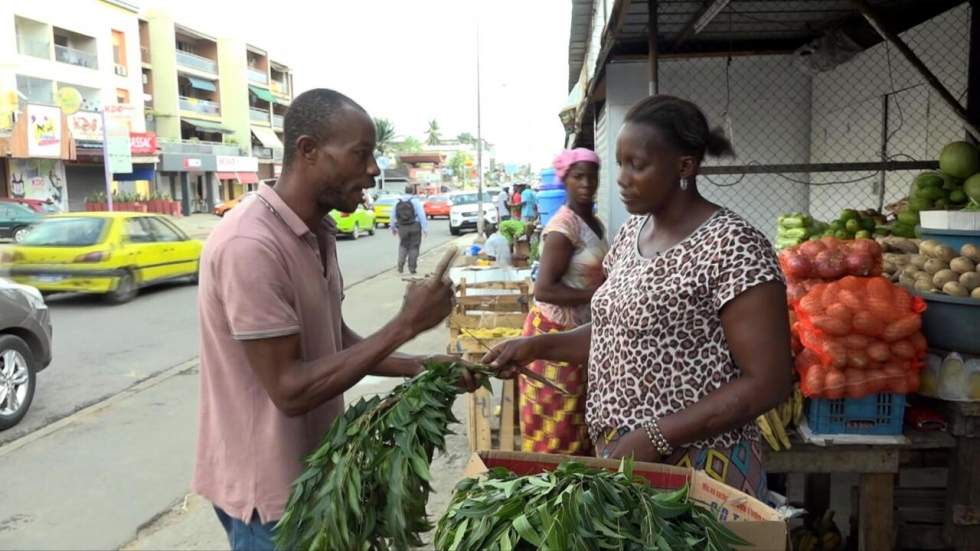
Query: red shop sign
(142, 143)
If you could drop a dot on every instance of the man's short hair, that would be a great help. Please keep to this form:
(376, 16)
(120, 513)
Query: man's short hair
(313, 113)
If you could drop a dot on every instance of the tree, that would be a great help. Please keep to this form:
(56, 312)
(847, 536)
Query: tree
(432, 134)
(466, 138)
(458, 163)
(410, 144)
(384, 132)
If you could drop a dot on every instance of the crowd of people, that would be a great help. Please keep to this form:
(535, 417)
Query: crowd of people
(671, 337)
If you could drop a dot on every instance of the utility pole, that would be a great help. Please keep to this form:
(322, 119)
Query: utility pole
(479, 140)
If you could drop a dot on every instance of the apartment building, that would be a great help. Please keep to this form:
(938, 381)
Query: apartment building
(206, 111)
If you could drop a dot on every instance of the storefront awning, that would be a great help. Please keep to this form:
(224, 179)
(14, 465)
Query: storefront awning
(201, 84)
(242, 177)
(267, 136)
(207, 126)
(140, 172)
(262, 93)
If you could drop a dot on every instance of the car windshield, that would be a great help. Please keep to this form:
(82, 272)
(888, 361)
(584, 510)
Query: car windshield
(469, 198)
(21, 210)
(65, 232)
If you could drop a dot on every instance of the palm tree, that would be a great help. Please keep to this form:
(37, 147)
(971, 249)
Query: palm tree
(466, 138)
(384, 132)
(432, 134)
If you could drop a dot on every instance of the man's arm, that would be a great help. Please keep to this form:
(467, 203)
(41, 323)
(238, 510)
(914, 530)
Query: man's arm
(420, 214)
(395, 365)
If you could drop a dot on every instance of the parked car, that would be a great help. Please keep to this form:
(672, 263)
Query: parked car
(226, 206)
(464, 212)
(40, 206)
(25, 348)
(382, 210)
(354, 224)
(437, 205)
(16, 220)
(108, 253)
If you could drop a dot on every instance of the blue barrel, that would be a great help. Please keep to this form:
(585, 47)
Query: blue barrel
(549, 179)
(549, 201)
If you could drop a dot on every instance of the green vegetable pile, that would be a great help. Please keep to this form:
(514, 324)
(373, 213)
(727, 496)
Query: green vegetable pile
(576, 507)
(512, 229)
(795, 228)
(367, 485)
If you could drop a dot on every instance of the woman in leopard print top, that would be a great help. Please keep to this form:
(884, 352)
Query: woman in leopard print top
(689, 333)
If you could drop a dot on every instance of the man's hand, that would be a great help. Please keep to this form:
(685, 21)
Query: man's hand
(429, 301)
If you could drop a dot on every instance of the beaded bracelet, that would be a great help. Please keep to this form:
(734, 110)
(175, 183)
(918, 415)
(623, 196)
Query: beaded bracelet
(660, 443)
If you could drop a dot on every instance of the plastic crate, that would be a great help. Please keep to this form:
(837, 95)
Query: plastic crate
(877, 414)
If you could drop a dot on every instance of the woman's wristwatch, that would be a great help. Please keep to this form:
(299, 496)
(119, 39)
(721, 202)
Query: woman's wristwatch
(660, 443)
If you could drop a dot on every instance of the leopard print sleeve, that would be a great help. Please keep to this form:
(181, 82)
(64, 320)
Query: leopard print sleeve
(745, 259)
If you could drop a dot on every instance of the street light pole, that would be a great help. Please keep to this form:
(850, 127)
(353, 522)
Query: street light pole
(480, 223)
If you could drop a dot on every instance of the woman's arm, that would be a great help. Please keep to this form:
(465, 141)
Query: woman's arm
(757, 330)
(567, 346)
(555, 258)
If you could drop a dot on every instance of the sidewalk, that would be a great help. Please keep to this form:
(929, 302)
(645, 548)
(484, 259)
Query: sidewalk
(117, 474)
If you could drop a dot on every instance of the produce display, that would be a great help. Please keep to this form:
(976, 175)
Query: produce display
(773, 423)
(860, 336)
(795, 228)
(512, 229)
(822, 535)
(953, 377)
(937, 268)
(828, 259)
(367, 484)
(956, 185)
(576, 507)
(853, 224)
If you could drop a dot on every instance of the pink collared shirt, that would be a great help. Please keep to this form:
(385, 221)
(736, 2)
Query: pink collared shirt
(263, 274)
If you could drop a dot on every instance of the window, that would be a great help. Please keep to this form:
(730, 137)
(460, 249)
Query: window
(122, 96)
(36, 90)
(119, 47)
(137, 231)
(65, 232)
(163, 231)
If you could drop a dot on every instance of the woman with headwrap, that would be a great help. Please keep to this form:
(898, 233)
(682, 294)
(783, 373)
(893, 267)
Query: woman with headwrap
(574, 245)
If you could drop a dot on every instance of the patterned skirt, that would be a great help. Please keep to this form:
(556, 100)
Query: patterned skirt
(552, 422)
(740, 466)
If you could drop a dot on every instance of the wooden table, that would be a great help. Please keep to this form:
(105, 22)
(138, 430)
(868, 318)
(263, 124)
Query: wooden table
(877, 467)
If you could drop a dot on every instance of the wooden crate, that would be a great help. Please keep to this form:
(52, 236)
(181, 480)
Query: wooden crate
(491, 424)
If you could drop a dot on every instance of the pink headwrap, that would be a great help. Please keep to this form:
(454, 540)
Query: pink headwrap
(564, 161)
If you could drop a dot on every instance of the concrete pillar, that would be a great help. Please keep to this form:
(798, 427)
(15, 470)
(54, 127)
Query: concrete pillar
(185, 195)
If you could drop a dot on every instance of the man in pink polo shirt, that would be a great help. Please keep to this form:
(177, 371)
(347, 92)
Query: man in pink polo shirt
(276, 355)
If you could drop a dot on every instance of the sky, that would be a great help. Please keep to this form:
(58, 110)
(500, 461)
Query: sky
(414, 60)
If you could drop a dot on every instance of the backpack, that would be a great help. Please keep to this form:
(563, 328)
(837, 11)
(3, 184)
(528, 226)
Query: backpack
(404, 212)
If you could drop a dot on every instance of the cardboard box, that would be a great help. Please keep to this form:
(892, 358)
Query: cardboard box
(752, 520)
(949, 220)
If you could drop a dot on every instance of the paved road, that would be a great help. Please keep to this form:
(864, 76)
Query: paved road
(100, 350)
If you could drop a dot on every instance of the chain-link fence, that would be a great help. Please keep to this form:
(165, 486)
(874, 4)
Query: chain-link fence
(872, 108)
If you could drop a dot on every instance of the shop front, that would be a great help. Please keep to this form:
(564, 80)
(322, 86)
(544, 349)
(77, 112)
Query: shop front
(236, 176)
(38, 146)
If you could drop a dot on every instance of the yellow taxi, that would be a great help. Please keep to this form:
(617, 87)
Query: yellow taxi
(109, 253)
(382, 210)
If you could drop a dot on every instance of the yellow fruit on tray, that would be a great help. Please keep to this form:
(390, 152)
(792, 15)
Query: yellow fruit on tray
(927, 383)
(974, 386)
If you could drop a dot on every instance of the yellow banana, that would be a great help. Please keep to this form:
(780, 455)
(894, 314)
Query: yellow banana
(766, 431)
(797, 405)
(786, 411)
(778, 429)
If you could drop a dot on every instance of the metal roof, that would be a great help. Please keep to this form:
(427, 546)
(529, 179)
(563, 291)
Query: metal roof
(740, 26)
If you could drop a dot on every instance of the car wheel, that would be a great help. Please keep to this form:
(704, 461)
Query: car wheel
(20, 233)
(125, 290)
(371, 231)
(356, 234)
(197, 274)
(17, 380)
(453, 230)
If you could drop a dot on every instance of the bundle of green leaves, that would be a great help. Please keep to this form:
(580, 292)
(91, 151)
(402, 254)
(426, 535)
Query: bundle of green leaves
(367, 484)
(512, 229)
(576, 507)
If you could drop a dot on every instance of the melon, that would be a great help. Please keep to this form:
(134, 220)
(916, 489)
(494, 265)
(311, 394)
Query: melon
(959, 160)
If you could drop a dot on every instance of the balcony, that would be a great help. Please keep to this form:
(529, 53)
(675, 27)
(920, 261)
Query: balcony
(280, 88)
(199, 106)
(278, 120)
(267, 153)
(258, 115)
(257, 76)
(34, 48)
(194, 61)
(196, 147)
(64, 54)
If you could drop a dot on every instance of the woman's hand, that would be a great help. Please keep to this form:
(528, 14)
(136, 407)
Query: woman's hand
(507, 356)
(638, 444)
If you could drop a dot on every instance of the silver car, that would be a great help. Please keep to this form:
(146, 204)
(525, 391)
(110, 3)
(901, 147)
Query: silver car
(25, 348)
